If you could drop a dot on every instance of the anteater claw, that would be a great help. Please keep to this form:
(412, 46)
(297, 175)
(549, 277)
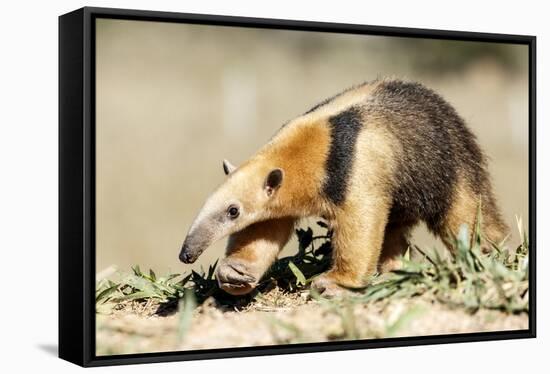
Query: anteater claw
(233, 277)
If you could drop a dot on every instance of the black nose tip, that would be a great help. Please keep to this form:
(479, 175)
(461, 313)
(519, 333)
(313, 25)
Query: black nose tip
(185, 256)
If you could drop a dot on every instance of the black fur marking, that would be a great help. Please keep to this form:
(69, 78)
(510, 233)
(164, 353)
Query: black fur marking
(344, 128)
(436, 147)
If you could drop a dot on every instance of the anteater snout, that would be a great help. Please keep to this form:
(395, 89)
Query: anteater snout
(186, 256)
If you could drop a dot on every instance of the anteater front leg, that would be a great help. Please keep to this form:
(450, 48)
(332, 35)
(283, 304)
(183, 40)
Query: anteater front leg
(250, 252)
(357, 243)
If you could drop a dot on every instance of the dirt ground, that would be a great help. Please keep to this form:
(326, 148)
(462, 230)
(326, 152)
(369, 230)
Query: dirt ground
(277, 317)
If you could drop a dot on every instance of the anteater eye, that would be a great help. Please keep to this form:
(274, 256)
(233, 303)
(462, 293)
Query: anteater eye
(232, 212)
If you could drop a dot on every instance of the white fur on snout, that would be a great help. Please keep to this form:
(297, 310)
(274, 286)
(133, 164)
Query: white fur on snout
(211, 220)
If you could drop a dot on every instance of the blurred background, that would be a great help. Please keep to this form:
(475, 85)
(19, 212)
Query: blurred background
(173, 100)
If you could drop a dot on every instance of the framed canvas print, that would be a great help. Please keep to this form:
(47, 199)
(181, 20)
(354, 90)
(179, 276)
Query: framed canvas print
(235, 186)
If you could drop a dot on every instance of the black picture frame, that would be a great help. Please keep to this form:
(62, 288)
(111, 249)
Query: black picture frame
(77, 184)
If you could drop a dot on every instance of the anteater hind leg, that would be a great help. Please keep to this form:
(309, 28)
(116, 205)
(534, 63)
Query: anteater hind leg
(464, 210)
(396, 242)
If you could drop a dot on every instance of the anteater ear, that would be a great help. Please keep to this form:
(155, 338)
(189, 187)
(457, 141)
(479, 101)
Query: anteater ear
(228, 167)
(273, 181)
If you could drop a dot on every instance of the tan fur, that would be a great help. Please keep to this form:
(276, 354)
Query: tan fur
(464, 210)
(301, 151)
(260, 241)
